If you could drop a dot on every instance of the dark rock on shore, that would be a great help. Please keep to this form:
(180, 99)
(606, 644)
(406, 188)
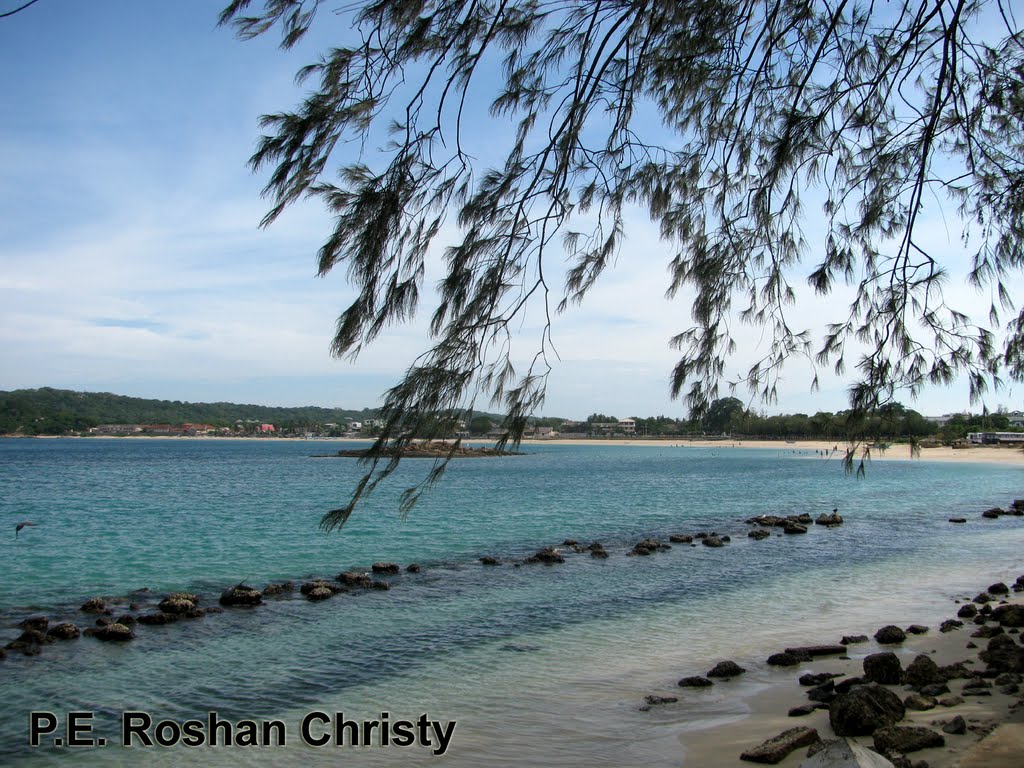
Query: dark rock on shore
(883, 668)
(811, 679)
(794, 528)
(846, 685)
(714, 541)
(776, 749)
(864, 709)
(241, 596)
(956, 727)
(726, 669)
(999, 588)
(759, 533)
(488, 560)
(919, 703)
(385, 568)
(890, 635)
(853, 639)
(412, 568)
(598, 553)
(917, 629)
(923, 671)
(992, 514)
(899, 739)
(1009, 615)
(958, 519)
(823, 693)
(967, 611)
(696, 681)
(66, 631)
(1003, 655)
(680, 538)
(949, 625)
(982, 598)
(803, 710)
(986, 631)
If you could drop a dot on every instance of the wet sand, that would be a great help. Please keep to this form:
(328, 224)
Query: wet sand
(720, 746)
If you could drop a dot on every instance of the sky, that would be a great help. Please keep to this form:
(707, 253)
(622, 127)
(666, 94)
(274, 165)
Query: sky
(131, 258)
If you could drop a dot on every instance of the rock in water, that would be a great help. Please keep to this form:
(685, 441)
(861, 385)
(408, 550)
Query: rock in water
(726, 669)
(114, 632)
(241, 595)
(93, 605)
(843, 753)
(817, 650)
(355, 579)
(66, 631)
(695, 682)
(864, 709)
(775, 749)
(904, 739)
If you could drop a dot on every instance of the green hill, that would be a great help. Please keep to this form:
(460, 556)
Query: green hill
(49, 411)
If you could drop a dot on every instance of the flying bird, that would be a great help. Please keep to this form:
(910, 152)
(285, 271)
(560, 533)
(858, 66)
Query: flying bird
(19, 526)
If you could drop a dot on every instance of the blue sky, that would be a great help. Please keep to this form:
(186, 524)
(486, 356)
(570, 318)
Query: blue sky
(131, 260)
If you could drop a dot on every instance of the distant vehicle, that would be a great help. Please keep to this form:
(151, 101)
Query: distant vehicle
(994, 438)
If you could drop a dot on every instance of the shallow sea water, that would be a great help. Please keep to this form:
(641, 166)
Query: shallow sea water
(538, 664)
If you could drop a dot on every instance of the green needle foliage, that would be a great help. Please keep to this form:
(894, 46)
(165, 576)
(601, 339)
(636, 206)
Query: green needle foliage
(720, 118)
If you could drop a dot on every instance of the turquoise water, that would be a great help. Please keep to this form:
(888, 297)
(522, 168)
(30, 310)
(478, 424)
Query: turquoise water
(538, 665)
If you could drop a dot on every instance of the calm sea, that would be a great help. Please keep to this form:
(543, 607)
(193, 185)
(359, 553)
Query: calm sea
(538, 664)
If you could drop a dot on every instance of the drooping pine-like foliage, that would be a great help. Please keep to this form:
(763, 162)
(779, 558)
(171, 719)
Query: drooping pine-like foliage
(720, 118)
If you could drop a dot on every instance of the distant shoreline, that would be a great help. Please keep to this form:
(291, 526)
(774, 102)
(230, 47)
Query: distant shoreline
(986, 454)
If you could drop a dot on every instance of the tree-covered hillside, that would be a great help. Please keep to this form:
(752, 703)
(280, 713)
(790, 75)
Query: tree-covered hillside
(49, 411)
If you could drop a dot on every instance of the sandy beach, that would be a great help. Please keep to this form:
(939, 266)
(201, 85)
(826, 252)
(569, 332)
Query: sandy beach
(994, 720)
(988, 454)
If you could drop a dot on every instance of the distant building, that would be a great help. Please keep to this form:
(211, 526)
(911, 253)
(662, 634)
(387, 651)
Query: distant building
(620, 427)
(115, 429)
(266, 429)
(942, 420)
